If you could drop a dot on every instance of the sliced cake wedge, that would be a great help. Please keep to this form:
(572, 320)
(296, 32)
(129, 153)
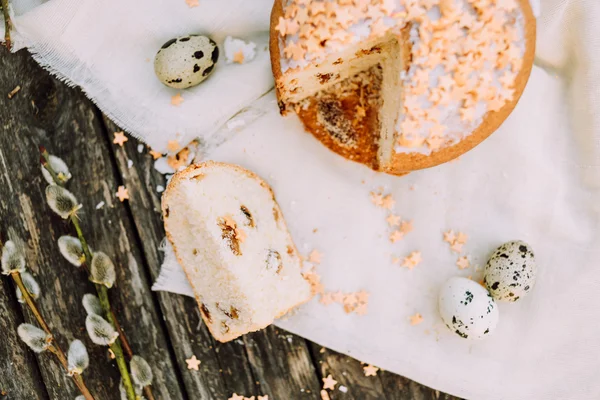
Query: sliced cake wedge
(230, 237)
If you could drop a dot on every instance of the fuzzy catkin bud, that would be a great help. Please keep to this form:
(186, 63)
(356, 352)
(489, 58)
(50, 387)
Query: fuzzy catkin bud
(100, 331)
(34, 337)
(33, 288)
(61, 201)
(71, 249)
(102, 270)
(91, 304)
(141, 371)
(59, 167)
(77, 357)
(12, 259)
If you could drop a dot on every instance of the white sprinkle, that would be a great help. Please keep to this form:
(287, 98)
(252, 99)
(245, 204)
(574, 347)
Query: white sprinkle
(289, 339)
(233, 45)
(239, 342)
(140, 148)
(99, 205)
(343, 389)
(129, 163)
(160, 188)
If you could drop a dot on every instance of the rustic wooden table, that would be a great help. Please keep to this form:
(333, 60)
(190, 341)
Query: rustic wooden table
(164, 328)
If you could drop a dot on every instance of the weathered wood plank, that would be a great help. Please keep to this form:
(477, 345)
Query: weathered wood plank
(397, 387)
(188, 334)
(16, 360)
(282, 364)
(47, 112)
(349, 373)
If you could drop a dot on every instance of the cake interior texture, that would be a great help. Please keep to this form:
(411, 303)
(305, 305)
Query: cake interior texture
(352, 97)
(230, 237)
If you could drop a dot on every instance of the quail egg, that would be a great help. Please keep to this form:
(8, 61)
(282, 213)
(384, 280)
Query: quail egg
(467, 308)
(186, 61)
(510, 272)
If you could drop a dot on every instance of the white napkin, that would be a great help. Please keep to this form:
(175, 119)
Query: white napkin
(535, 179)
(522, 183)
(108, 47)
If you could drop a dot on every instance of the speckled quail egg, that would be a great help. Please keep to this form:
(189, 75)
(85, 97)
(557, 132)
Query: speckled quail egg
(467, 308)
(510, 272)
(186, 61)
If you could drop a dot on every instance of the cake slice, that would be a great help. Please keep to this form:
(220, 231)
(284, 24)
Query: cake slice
(230, 237)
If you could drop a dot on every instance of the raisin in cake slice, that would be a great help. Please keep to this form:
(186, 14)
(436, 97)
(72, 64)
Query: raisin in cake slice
(230, 237)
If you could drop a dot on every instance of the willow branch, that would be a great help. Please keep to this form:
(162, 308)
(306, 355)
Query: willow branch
(7, 23)
(54, 348)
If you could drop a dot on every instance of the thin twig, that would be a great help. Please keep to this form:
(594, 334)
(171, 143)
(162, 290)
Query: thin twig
(54, 348)
(7, 23)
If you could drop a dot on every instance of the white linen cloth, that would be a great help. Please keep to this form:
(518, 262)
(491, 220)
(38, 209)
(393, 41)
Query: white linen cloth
(536, 179)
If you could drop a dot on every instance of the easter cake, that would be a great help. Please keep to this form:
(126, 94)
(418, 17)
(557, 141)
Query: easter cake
(400, 85)
(230, 237)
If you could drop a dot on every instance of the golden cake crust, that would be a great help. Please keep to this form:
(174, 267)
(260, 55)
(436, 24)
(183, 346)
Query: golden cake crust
(402, 163)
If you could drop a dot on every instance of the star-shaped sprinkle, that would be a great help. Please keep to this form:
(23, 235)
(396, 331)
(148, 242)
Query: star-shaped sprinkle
(265, 397)
(456, 247)
(412, 260)
(281, 26)
(416, 319)
(388, 202)
(406, 226)
(461, 238)
(338, 296)
(120, 138)
(393, 220)
(329, 382)
(177, 99)
(361, 309)
(326, 299)
(122, 194)
(449, 237)
(173, 146)
(315, 257)
(370, 370)
(236, 396)
(377, 199)
(362, 296)
(294, 51)
(193, 363)
(155, 154)
(192, 3)
(238, 57)
(462, 262)
(325, 395)
(396, 236)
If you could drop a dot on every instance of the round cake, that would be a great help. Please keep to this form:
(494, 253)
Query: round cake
(401, 85)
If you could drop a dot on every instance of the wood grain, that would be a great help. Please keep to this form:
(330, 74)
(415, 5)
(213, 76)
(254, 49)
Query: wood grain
(164, 328)
(50, 113)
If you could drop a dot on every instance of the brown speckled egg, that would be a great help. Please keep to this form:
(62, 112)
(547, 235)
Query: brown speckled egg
(511, 271)
(186, 61)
